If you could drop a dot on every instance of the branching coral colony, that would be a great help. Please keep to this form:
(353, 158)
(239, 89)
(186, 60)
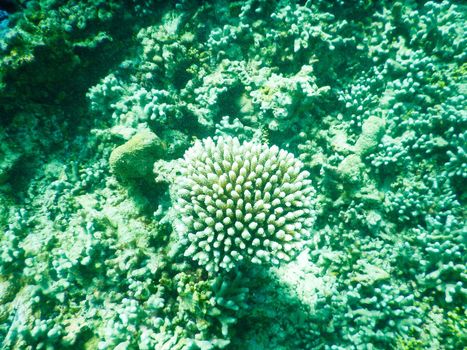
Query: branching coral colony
(243, 202)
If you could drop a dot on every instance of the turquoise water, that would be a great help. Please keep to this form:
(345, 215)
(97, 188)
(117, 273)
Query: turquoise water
(252, 175)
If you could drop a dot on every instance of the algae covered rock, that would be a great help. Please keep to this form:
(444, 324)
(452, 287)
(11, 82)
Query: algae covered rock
(372, 131)
(350, 169)
(135, 158)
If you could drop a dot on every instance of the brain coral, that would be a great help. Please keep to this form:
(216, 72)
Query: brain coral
(244, 201)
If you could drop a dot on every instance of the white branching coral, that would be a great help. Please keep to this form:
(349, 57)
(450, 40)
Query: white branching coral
(243, 202)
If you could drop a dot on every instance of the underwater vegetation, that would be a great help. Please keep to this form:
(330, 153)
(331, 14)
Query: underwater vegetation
(255, 175)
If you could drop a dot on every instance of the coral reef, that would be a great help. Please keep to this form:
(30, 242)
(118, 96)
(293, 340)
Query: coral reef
(100, 243)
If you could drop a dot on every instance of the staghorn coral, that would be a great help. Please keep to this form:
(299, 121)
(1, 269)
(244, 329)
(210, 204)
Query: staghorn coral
(243, 202)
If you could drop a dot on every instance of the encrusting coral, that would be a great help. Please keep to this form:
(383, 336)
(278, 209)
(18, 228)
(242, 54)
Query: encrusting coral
(243, 202)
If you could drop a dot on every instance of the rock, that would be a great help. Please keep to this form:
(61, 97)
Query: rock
(135, 158)
(339, 142)
(372, 131)
(7, 292)
(350, 169)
